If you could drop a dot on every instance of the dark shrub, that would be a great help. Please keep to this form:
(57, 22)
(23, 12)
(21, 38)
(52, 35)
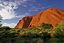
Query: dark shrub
(47, 26)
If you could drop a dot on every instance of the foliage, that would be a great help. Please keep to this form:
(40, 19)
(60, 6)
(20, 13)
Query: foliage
(40, 34)
(59, 32)
(0, 20)
(46, 26)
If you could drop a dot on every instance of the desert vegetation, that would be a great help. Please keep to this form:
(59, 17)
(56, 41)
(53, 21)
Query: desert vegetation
(44, 33)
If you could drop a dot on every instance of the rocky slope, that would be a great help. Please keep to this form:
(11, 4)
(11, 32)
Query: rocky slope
(52, 16)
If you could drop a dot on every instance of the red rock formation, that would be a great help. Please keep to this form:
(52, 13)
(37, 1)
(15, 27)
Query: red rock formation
(24, 22)
(52, 16)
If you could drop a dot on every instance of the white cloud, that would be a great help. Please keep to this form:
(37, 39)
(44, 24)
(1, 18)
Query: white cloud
(7, 8)
(7, 11)
(7, 15)
(12, 25)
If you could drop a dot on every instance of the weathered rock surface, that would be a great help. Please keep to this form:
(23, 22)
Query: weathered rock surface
(24, 22)
(52, 16)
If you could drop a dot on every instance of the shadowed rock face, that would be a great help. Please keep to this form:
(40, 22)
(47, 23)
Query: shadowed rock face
(52, 16)
(25, 22)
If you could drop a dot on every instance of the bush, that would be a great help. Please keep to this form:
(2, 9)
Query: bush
(40, 34)
(59, 32)
(6, 28)
(47, 26)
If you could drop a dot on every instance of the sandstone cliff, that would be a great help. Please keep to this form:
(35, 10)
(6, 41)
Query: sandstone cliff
(52, 16)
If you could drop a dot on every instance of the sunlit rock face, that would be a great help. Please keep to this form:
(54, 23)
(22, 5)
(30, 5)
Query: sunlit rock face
(51, 16)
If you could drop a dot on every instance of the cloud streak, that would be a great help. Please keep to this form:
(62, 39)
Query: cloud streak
(7, 8)
(12, 25)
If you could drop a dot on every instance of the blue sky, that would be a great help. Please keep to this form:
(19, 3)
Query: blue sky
(13, 10)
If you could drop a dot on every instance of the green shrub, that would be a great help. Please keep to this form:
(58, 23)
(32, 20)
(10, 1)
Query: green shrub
(47, 26)
(59, 32)
(39, 34)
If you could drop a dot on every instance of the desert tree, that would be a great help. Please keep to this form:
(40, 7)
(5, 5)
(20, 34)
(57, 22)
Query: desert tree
(0, 20)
